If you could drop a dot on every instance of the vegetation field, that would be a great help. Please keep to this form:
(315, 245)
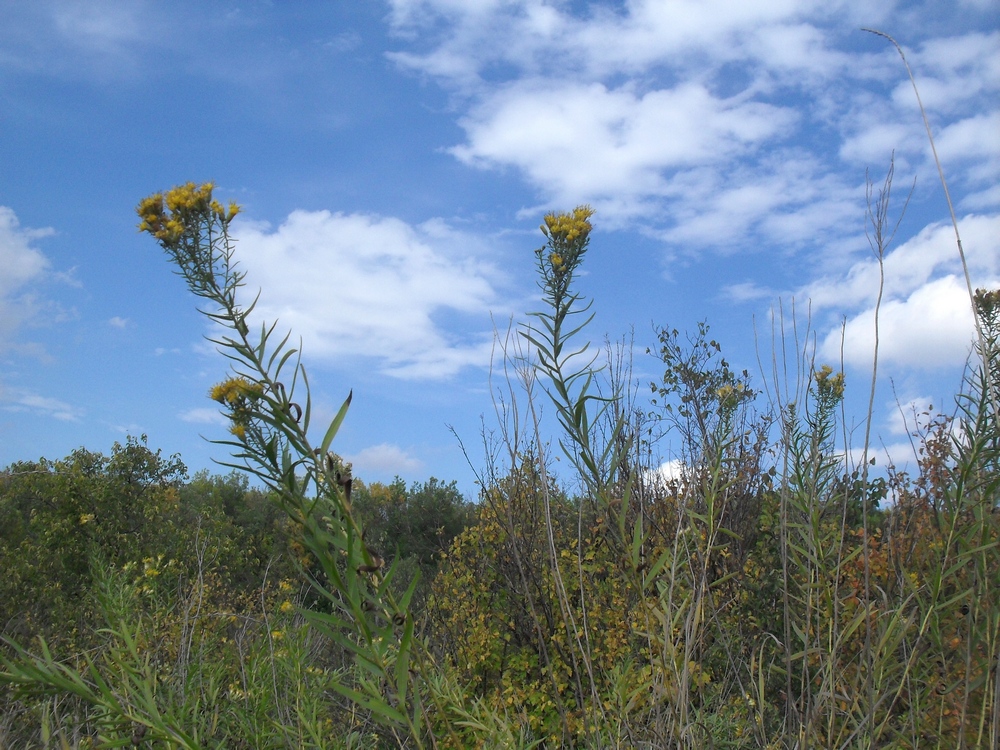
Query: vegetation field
(773, 590)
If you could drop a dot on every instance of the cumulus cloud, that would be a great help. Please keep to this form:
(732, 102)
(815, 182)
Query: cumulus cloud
(600, 143)
(23, 266)
(973, 139)
(356, 285)
(20, 400)
(932, 327)
(384, 458)
(670, 471)
(711, 124)
(786, 201)
(931, 252)
(473, 40)
(906, 417)
(953, 72)
(926, 317)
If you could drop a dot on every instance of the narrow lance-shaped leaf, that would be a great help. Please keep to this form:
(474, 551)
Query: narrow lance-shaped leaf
(335, 424)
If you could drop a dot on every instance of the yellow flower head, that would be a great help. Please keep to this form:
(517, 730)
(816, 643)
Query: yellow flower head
(181, 210)
(233, 390)
(567, 227)
(829, 384)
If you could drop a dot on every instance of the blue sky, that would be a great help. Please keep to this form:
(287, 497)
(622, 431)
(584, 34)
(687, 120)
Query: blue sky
(394, 160)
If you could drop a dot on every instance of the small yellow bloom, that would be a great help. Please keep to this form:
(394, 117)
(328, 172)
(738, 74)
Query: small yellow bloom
(182, 211)
(286, 606)
(233, 390)
(829, 384)
(568, 227)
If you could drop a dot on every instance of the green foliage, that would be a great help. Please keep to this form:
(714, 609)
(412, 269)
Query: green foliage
(412, 527)
(417, 523)
(56, 516)
(770, 594)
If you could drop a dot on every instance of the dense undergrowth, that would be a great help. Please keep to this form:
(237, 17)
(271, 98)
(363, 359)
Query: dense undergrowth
(769, 593)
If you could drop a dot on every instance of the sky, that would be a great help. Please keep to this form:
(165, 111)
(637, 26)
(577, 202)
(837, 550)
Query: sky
(394, 160)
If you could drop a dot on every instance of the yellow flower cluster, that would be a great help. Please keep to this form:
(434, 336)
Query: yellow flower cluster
(168, 217)
(567, 227)
(235, 393)
(829, 384)
(233, 390)
(567, 235)
(728, 391)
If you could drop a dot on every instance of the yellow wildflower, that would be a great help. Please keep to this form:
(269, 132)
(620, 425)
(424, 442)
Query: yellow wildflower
(827, 385)
(286, 606)
(567, 227)
(189, 198)
(233, 390)
(170, 216)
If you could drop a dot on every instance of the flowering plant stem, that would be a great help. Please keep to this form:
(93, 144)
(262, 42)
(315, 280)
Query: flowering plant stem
(270, 436)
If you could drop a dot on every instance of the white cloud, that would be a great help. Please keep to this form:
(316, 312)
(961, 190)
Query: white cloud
(984, 199)
(926, 317)
(896, 440)
(975, 139)
(384, 458)
(930, 253)
(100, 39)
(677, 116)
(117, 322)
(203, 415)
(788, 200)
(590, 142)
(905, 418)
(19, 399)
(23, 265)
(876, 139)
(669, 471)
(932, 327)
(952, 72)
(475, 38)
(368, 286)
(99, 24)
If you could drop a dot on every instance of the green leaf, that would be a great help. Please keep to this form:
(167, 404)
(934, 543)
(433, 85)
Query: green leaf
(403, 660)
(335, 425)
(383, 711)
